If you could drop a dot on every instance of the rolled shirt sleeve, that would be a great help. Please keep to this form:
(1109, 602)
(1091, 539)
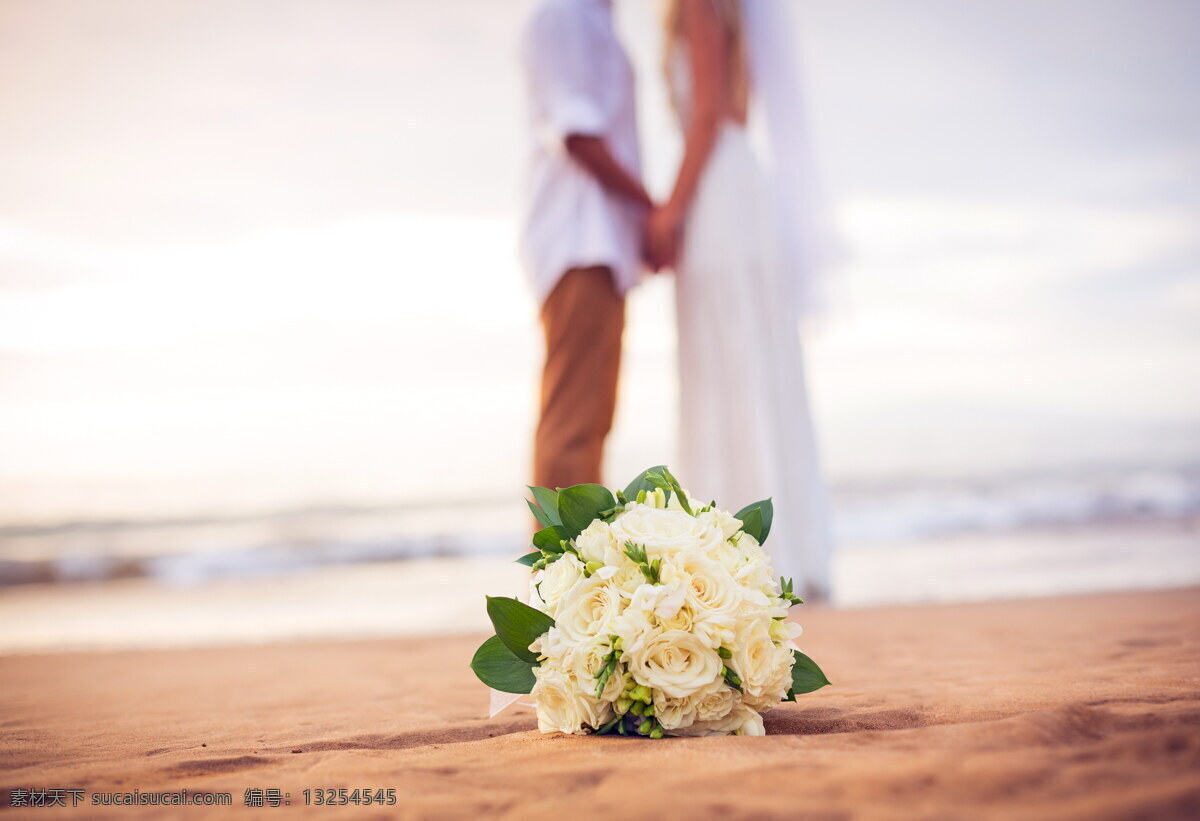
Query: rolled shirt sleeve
(565, 83)
(579, 81)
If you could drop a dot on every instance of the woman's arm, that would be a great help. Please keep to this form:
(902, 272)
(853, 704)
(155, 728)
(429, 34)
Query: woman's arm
(709, 65)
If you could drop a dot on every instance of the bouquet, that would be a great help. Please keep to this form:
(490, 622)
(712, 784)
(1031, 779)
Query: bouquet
(651, 615)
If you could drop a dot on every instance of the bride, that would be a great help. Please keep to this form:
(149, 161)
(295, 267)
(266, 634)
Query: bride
(744, 239)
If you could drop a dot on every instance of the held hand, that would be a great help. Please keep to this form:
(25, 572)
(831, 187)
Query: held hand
(664, 230)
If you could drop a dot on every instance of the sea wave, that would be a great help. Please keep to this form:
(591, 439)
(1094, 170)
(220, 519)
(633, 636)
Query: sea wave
(871, 515)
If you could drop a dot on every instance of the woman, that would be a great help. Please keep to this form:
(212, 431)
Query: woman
(743, 260)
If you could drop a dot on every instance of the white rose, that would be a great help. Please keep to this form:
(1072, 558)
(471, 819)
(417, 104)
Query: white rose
(715, 702)
(710, 703)
(590, 607)
(747, 722)
(740, 721)
(596, 543)
(727, 556)
(684, 618)
(722, 520)
(778, 682)
(674, 662)
(562, 706)
(663, 532)
(628, 579)
(673, 713)
(757, 659)
(710, 587)
(757, 576)
(750, 565)
(552, 646)
(557, 579)
(586, 660)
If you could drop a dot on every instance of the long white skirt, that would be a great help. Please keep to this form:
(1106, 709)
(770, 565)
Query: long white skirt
(746, 431)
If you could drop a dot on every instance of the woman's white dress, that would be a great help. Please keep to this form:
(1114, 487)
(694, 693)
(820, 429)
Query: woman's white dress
(746, 430)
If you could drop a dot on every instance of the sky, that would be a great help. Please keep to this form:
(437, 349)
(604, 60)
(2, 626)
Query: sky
(259, 254)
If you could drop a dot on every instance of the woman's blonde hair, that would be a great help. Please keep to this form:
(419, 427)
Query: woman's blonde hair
(730, 12)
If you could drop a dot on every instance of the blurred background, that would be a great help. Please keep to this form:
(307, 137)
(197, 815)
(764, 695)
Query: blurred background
(268, 363)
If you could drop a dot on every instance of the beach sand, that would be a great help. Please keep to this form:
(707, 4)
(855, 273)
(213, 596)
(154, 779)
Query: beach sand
(1069, 707)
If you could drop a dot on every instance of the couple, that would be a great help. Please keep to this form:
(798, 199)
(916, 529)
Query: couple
(741, 242)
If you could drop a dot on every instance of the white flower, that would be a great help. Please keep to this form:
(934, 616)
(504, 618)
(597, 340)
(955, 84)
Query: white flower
(674, 503)
(663, 600)
(586, 660)
(628, 579)
(675, 662)
(656, 498)
(553, 646)
(652, 606)
(722, 520)
(562, 706)
(715, 702)
(710, 703)
(683, 619)
(784, 631)
(728, 556)
(663, 532)
(711, 591)
(710, 587)
(589, 608)
(744, 721)
(740, 721)
(764, 667)
(557, 579)
(747, 543)
(673, 713)
(596, 542)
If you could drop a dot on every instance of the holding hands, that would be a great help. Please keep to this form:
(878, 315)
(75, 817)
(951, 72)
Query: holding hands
(663, 237)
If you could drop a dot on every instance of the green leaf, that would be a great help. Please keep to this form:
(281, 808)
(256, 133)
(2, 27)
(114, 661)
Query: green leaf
(499, 669)
(806, 675)
(517, 625)
(642, 483)
(547, 500)
(756, 519)
(580, 505)
(751, 522)
(543, 518)
(529, 558)
(665, 480)
(549, 538)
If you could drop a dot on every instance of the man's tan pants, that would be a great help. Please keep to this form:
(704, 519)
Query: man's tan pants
(583, 319)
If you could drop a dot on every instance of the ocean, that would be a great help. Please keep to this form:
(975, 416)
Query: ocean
(891, 517)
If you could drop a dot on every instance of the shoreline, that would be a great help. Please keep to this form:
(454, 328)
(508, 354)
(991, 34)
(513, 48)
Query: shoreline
(434, 596)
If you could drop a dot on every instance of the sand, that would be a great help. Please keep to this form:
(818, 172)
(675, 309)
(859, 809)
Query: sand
(1070, 707)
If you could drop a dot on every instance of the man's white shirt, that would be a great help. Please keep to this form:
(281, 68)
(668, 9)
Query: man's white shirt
(579, 81)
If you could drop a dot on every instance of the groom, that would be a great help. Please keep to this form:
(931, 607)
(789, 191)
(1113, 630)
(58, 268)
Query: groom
(582, 232)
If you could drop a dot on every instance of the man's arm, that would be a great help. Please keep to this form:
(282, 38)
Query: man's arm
(593, 154)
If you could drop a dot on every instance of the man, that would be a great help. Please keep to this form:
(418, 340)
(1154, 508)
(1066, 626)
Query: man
(582, 232)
